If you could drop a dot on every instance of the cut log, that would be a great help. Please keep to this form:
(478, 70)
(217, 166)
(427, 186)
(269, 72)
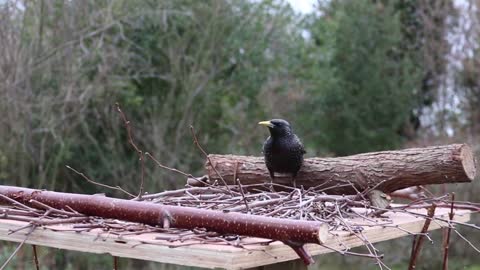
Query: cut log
(386, 171)
(284, 230)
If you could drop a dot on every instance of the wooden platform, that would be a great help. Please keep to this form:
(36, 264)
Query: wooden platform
(208, 255)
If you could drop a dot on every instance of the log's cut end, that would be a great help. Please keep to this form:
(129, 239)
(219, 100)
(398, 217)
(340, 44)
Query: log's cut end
(468, 161)
(323, 233)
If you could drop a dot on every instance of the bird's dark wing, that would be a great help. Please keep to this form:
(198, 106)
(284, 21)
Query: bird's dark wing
(265, 143)
(302, 148)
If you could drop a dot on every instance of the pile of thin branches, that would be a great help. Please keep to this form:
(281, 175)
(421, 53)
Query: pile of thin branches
(342, 213)
(293, 204)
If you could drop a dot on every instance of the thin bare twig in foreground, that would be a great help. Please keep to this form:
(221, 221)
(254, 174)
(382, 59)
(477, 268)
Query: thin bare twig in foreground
(159, 164)
(446, 243)
(115, 262)
(418, 239)
(12, 201)
(346, 252)
(32, 228)
(240, 187)
(468, 241)
(35, 257)
(195, 140)
(100, 184)
(54, 210)
(141, 154)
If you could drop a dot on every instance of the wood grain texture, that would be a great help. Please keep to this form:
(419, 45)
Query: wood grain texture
(390, 170)
(208, 255)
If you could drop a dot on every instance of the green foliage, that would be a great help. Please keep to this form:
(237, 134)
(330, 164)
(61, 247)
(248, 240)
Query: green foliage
(369, 92)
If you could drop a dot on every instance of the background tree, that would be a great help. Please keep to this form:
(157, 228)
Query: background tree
(372, 86)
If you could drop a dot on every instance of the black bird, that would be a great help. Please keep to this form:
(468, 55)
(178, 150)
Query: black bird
(283, 150)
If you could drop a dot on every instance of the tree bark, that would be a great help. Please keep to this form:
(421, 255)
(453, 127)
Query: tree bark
(387, 171)
(287, 231)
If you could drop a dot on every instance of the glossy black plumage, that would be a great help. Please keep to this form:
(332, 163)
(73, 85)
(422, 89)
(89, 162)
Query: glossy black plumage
(283, 150)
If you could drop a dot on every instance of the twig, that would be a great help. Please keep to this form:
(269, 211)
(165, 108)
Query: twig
(235, 179)
(346, 252)
(140, 153)
(300, 203)
(361, 236)
(18, 212)
(72, 210)
(13, 254)
(21, 205)
(159, 164)
(258, 204)
(195, 140)
(32, 228)
(468, 241)
(54, 210)
(35, 257)
(472, 208)
(418, 239)
(301, 252)
(100, 184)
(447, 239)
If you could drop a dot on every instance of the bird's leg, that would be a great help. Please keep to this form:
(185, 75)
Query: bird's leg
(272, 176)
(294, 181)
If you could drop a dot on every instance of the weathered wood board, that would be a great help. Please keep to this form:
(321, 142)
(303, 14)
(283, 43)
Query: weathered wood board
(210, 255)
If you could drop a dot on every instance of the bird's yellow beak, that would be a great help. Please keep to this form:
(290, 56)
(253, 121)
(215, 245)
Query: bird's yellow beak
(266, 123)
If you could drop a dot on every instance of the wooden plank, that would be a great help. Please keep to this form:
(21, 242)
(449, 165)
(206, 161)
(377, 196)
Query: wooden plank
(208, 255)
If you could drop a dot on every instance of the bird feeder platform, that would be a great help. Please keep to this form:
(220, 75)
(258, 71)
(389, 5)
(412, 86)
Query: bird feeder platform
(244, 254)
